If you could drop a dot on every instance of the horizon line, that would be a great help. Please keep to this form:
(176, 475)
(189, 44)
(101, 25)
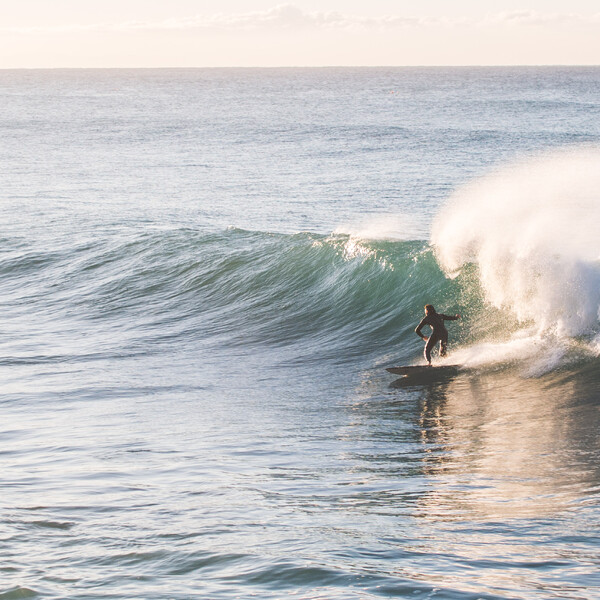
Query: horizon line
(440, 66)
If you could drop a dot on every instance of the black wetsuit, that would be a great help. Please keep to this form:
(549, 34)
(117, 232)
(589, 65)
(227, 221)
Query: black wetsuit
(439, 333)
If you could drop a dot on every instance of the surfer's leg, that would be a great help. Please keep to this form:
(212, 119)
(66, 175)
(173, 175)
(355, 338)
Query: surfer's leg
(431, 342)
(443, 345)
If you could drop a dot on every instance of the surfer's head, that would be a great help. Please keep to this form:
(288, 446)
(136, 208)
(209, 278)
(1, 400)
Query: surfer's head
(429, 310)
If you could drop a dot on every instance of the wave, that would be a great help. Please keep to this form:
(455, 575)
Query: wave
(334, 296)
(326, 296)
(516, 253)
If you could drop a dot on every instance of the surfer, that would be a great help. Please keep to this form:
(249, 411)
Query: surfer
(439, 333)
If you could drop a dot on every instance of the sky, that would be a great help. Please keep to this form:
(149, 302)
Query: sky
(269, 33)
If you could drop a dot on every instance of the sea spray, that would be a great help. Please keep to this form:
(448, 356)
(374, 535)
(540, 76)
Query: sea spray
(530, 230)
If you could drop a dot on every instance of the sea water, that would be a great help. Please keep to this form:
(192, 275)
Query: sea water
(203, 275)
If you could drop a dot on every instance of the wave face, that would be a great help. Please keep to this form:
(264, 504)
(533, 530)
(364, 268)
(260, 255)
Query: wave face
(528, 236)
(317, 296)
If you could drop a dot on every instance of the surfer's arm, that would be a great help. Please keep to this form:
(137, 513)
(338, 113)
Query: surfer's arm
(418, 329)
(450, 317)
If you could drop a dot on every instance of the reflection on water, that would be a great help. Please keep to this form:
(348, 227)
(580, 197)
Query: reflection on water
(484, 485)
(496, 446)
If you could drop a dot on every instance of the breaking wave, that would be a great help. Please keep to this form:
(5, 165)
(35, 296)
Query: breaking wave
(516, 253)
(528, 236)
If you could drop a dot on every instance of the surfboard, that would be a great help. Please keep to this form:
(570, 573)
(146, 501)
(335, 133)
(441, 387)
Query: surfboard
(424, 370)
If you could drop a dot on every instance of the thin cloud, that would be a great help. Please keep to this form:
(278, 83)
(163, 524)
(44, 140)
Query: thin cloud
(292, 18)
(283, 16)
(532, 17)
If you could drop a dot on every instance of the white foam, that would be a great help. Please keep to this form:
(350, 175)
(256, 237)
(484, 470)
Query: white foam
(533, 354)
(532, 229)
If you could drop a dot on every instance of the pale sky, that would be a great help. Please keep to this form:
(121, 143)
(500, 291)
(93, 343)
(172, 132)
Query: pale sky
(220, 33)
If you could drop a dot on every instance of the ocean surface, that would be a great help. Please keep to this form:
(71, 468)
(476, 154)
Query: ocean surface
(203, 276)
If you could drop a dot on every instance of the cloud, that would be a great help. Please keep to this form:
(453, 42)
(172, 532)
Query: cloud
(290, 17)
(532, 17)
(283, 16)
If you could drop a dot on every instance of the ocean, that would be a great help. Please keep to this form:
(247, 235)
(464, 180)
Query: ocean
(204, 274)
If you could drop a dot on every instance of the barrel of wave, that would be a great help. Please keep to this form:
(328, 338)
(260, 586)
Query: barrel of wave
(531, 231)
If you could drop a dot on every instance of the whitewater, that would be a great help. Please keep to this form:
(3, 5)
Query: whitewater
(203, 276)
(531, 232)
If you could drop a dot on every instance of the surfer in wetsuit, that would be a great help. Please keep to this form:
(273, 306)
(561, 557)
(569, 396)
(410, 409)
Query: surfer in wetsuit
(439, 333)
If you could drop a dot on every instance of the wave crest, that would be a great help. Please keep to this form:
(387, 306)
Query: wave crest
(530, 233)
